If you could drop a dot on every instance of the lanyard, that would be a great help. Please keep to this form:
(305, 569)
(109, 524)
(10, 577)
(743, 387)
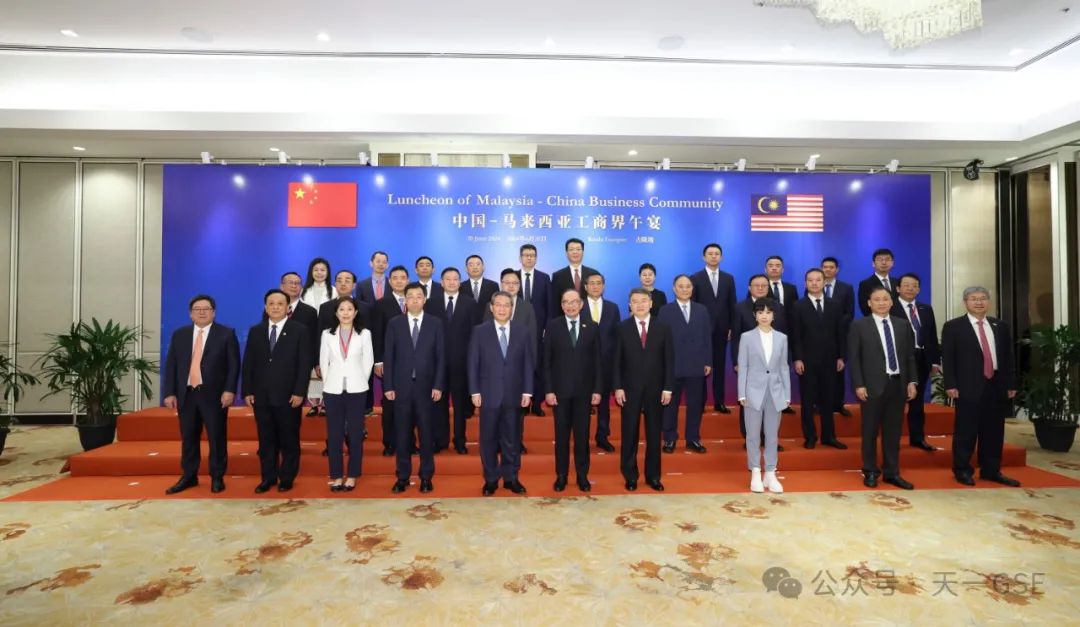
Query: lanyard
(343, 341)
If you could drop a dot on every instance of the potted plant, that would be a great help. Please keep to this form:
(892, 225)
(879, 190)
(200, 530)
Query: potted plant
(12, 380)
(1050, 391)
(91, 361)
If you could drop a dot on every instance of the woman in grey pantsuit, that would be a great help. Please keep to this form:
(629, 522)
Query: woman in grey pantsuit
(764, 390)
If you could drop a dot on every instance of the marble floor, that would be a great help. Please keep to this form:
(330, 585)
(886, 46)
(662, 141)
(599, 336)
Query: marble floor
(927, 557)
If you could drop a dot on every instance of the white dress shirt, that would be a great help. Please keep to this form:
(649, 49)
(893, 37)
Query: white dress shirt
(419, 318)
(907, 314)
(446, 300)
(989, 330)
(884, 348)
(498, 330)
(280, 324)
(637, 324)
(766, 343)
(571, 329)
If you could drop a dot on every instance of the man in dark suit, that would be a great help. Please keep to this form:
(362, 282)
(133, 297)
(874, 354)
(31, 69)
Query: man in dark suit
(373, 288)
(500, 380)
(927, 352)
(715, 289)
(644, 377)
(744, 320)
(780, 290)
(843, 293)
(692, 335)
(344, 283)
(604, 314)
(536, 290)
(277, 363)
(883, 264)
(881, 360)
(478, 287)
(817, 341)
(425, 270)
(459, 314)
(977, 363)
(391, 306)
(414, 377)
(292, 284)
(522, 313)
(576, 275)
(201, 369)
(572, 381)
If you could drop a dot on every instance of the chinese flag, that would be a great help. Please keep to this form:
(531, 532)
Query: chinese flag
(322, 204)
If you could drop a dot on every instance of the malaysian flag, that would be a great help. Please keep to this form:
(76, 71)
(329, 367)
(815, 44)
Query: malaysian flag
(794, 212)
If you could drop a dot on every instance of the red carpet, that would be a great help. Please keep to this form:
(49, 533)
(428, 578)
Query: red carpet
(146, 459)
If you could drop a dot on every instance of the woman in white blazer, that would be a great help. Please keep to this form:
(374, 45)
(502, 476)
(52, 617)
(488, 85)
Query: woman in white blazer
(317, 290)
(764, 390)
(345, 360)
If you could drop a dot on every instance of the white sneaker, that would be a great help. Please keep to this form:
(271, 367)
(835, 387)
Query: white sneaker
(755, 481)
(771, 482)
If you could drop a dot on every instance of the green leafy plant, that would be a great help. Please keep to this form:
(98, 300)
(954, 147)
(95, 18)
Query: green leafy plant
(91, 361)
(12, 381)
(937, 390)
(1050, 391)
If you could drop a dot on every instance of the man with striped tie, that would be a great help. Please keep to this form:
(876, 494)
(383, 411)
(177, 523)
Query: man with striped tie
(927, 352)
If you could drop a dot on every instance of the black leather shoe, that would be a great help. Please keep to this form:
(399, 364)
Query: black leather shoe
(788, 410)
(523, 449)
(264, 486)
(426, 486)
(399, 486)
(414, 450)
(388, 451)
(723, 409)
(844, 411)
(337, 487)
(924, 445)
(183, 484)
(605, 445)
(560, 483)
(965, 479)
(870, 479)
(1002, 479)
(313, 412)
(668, 447)
(631, 484)
(461, 450)
(779, 447)
(584, 485)
(655, 485)
(696, 447)
(516, 487)
(809, 443)
(489, 488)
(284, 486)
(835, 444)
(899, 482)
(217, 485)
(538, 411)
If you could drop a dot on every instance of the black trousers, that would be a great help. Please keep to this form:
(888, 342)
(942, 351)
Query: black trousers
(817, 385)
(412, 412)
(203, 408)
(719, 369)
(389, 438)
(981, 422)
(916, 412)
(603, 417)
(840, 389)
(638, 403)
(279, 441)
(344, 414)
(572, 416)
(884, 414)
(499, 441)
(695, 407)
(456, 397)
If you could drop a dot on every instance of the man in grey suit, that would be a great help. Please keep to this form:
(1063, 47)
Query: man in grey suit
(881, 359)
(521, 313)
(692, 332)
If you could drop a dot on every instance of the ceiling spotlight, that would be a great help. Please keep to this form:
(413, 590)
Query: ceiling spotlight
(811, 163)
(222, 162)
(856, 185)
(1015, 52)
(632, 152)
(1012, 158)
(549, 42)
(740, 165)
(282, 157)
(323, 36)
(206, 157)
(78, 148)
(589, 163)
(363, 158)
(274, 149)
(971, 170)
(506, 159)
(434, 159)
(67, 32)
(665, 164)
(892, 166)
(787, 48)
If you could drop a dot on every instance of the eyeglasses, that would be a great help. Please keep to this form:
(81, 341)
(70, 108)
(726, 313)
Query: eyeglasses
(201, 309)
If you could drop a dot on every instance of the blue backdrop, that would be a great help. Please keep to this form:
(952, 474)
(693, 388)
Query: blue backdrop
(226, 232)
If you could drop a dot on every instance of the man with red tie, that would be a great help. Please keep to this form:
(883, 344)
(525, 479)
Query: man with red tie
(573, 276)
(389, 307)
(977, 363)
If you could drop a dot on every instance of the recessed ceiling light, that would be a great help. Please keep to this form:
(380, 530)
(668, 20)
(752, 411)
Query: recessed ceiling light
(67, 32)
(78, 148)
(274, 149)
(632, 153)
(323, 36)
(787, 48)
(815, 156)
(549, 42)
(1015, 52)
(1012, 158)
(196, 34)
(671, 42)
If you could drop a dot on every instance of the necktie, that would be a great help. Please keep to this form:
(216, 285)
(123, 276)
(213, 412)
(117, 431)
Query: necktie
(273, 337)
(828, 290)
(195, 372)
(476, 291)
(915, 324)
(817, 305)
(290, 312)
(644, 333)
(885, 282)
(573, 333)
(776, 292)
(988, 359)
(401, 303)
(577, 280)
(415, 330)
(890, 346)
(504, 342)
(686, 312)
(528, 287)
(712, 279)
(424, 285)
(378, 289)
(595, 306)
(450, 308)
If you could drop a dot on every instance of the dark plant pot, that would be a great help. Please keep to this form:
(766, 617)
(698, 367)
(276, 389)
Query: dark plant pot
(4, 431)
(1055, 437)
(96, 436)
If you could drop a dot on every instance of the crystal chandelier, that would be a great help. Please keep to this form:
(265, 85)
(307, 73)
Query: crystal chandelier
(904, 23)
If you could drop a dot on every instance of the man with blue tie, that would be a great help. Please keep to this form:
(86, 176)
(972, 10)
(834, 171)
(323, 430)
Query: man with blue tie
(201, 370)
(459, 314)
(715, 289)
(843, 293)
(881, 359)
(927, 352)
(414, 377)
(536, 290)
(692, 335)
(501, 383)
(605, 314)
